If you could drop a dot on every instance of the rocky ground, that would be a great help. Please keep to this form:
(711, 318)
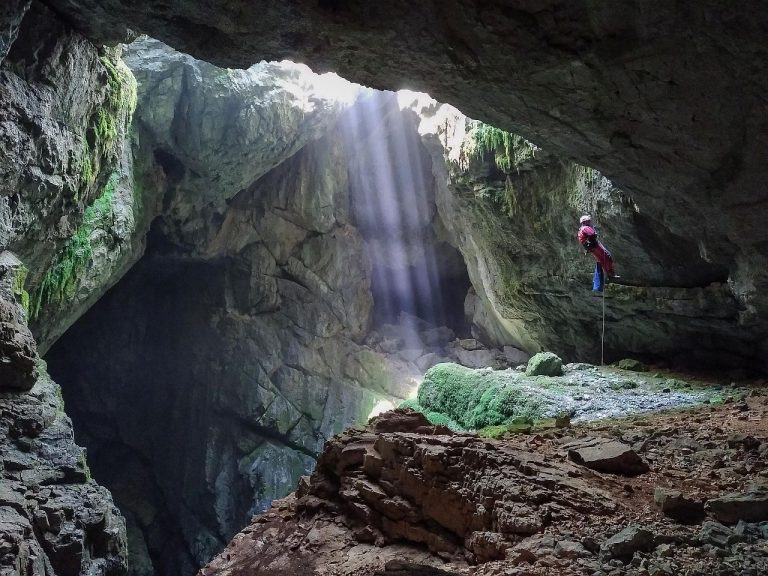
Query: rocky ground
(411, 346)
(681, 492)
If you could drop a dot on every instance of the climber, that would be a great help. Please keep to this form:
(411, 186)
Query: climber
(588, 239)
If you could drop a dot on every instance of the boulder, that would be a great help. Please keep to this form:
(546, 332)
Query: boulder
(476, 358)
(633, 365)
(470, 344)
(515, 356)
(677, 506)
(716, 534)
(570, 550)
(729, 509)
(545, 364)
(400, 420)
(438, 336)
(624, 544)
(607, 456)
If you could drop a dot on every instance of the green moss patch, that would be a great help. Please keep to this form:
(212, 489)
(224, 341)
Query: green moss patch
(476, 398)
(60, 282)
(498, 402)
(19, 290)
(509, 150)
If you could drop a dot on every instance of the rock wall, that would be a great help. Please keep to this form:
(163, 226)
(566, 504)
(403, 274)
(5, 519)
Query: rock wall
(61, 128)
(67, 205)
(516, 228)
(54, 518)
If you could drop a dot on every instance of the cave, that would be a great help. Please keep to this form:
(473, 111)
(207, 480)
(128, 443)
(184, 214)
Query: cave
(247, 332)
(214, 273)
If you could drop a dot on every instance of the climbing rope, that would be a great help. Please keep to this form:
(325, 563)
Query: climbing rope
(602, 335)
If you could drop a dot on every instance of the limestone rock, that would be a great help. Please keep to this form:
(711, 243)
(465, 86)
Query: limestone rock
(625, 543)
(476, 358)
(571, 550)
(631, 364)
(513, 300)
(54, 519)
(515, 356)
(678, 506)
(254, 260)
(607, 456)
(729, 509)
(544, 364)
(64, 111)
(17, 350)
(454, 494)
(716, 534)
(11, 15)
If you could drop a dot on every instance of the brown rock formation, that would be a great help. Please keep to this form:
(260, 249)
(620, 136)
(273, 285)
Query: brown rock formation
(383, 494)
(402, 480)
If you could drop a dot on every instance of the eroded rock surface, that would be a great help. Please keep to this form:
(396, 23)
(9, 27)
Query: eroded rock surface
(67, 200)
(54, 519)
(515, 228)
(257, 280)
(404, 480)
(571, 520)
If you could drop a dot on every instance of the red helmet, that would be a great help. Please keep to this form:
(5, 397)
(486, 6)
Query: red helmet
(584, 219)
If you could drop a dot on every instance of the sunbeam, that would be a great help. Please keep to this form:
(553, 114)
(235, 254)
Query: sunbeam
(392, 195)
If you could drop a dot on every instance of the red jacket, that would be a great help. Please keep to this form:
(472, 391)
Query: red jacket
(588, 238)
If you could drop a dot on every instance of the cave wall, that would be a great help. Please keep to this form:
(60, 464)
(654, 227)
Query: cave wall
(54, 518)
(67, 202)
(207, 380)
(516, 228)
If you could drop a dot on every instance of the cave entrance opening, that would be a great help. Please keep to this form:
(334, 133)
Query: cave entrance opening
(418, 280)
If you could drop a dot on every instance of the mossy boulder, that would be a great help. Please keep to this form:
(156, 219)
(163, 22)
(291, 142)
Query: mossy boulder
(476, 398)
(545, 364)
(631, 364)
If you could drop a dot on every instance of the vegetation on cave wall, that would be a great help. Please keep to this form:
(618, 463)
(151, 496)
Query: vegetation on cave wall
(108, 122)
(60, 282)
(521, 179)
(101, 147)
(19, 290)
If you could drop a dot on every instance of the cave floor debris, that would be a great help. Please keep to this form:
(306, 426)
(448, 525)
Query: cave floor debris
(705, 452)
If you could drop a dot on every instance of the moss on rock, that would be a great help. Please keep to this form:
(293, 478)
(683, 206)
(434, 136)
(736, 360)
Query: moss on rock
(60, 282)
(544, 364)
(475, 398)
(631, 364)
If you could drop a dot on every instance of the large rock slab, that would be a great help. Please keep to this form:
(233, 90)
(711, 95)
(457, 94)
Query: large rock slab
(749, 507)
(607, 456)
